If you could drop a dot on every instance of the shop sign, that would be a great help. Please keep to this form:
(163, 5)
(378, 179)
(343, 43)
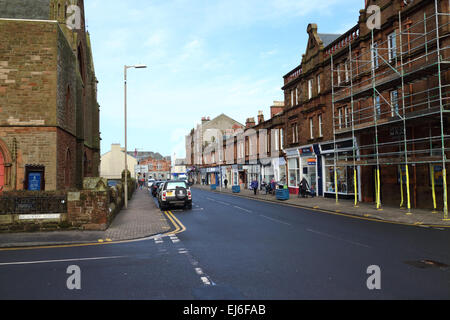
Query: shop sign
(306, 151)
(312, 162)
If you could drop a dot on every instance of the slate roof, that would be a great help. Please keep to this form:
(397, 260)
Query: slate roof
(328, 38)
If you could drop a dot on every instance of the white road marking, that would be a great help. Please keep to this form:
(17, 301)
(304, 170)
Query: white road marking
(276, 220)
(211, 199)
(224, 203)
(205, 280)
(199, 271)
(242, 209)
(56, 261)
(337, 238)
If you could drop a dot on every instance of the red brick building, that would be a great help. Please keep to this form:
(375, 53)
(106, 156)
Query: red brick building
(366, 111)
(49, 115)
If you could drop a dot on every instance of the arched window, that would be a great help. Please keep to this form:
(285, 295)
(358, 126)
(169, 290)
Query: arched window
(80, 62)
(67, 171)
(5, 166)
(86, 165)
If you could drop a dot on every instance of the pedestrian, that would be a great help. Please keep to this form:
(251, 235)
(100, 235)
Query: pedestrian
(225, 182)
(312, 190)
(304, 186)
(272, 186)
(254, 186)
(203, 181)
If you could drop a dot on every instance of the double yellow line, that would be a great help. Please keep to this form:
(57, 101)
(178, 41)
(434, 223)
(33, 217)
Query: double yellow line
(179, 227)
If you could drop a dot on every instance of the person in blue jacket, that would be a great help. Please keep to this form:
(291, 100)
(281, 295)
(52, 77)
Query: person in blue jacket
(254, 186)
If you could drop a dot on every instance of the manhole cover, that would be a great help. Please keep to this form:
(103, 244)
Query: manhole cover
(424, 264)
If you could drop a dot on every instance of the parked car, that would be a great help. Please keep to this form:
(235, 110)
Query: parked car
(151, 182)
(158, 190)
(154, 188)
(175, 192)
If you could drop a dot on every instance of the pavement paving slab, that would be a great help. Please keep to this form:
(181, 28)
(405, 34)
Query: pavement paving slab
(142, 219)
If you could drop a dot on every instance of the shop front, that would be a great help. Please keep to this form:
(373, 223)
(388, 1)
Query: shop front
(235, 181)
(310, 168)
(339, 171)
(213, 176)
(253, 173)
(293, 165)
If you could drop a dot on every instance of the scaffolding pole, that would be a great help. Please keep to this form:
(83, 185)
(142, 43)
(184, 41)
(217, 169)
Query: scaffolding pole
(444, 170)
(334, 131)
(418, 61)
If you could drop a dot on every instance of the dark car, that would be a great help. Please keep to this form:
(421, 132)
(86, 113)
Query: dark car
(154, 188)
(175, 192)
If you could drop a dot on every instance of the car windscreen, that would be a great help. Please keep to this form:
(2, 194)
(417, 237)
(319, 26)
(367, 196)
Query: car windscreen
(174, 185)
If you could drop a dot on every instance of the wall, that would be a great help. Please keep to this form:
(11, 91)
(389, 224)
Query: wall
(113, 162)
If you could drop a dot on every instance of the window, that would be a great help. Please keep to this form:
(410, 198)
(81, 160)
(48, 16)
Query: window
(310, 88)
(318, 83)
(374, 55)
(348, 114)
(338, 70)
(311, 128)
(281, 138)
(377, 106)
(292, 98)
(347, 76)
(294, 133)
(340, 118)
(296, 96)
(174, 185)
(67, 170)
(294, 172)
(277, 140)
(392, 46)
(394, 103)
(320, 126)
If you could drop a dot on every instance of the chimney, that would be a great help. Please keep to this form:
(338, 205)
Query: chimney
(276, 108)
(260, 117)
(250, 123)
(205, 120)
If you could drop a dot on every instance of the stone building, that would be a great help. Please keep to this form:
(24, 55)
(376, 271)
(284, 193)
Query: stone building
(49, 115)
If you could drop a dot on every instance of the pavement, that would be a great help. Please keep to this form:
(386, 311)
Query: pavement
(418, 217)
(142, 219)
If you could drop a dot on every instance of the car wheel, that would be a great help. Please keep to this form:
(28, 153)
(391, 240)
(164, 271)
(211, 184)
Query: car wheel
(188, 206)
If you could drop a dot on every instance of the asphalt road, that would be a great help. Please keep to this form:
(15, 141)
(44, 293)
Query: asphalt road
(237, 248)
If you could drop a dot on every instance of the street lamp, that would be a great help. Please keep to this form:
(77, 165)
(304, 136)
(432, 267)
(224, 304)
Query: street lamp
(138, 66)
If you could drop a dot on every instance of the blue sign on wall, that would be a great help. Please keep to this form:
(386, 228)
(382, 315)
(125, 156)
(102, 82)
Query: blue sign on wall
(34, 181)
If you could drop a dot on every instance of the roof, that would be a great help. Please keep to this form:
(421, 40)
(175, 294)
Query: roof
(328, 38)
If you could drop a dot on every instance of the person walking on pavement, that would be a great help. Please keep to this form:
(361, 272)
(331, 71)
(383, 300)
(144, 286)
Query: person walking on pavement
(254, 186)
(304, 186)
(226, 183)
(272, 186)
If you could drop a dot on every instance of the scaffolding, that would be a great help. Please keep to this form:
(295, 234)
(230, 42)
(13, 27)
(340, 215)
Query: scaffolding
(393, 100)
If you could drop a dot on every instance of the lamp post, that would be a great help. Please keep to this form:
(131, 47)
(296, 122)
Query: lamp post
(141, 66)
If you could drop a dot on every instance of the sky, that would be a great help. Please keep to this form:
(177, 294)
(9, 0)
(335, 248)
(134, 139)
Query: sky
(204, 58)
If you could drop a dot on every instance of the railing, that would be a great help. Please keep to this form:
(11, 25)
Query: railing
(24, 204)
(294, 74)
(343, 41)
